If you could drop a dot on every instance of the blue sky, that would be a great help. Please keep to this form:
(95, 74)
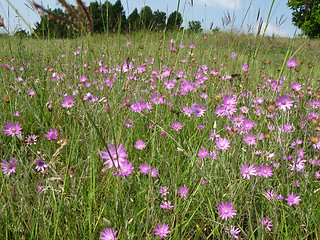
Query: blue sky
(206, 11)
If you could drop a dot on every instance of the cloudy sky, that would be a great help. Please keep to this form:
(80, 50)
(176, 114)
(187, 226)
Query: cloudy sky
(206, 11)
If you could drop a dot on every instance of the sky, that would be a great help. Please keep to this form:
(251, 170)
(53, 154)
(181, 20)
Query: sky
(205, 11)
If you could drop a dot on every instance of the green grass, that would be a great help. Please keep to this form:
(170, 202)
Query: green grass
(80, 204)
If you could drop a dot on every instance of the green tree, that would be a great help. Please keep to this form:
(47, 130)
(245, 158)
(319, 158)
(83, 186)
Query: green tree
(96, 15)
(50, 28)
(117, 17)
(160, 20)
(194, 26)
(134, 20)
(306, 16)
(174, 20)
(147, 18)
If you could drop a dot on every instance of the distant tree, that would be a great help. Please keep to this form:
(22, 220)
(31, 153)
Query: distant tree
(174, 20)
(147, 18)
(160, 19)
(99, 14)
(306, 16)
(96, 15)
(117, 17)
(194, 26)
(21, 33)
(49, 28)
(134, 20)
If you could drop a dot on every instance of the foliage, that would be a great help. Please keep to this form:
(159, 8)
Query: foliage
(306, 16)
(134, 20)
(194, 26)
(52, 29)
(76, 196)
(175, 20)
(108, 17)
(147, 17)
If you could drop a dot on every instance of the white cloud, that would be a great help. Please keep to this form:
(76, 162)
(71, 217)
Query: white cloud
(229, 4)
(273, 30)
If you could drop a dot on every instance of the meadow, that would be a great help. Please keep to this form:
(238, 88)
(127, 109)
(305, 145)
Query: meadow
(151, 135)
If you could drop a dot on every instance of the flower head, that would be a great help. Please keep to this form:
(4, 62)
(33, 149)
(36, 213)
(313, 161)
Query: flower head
(163, 190)
(12, 129)
(266, 223)
(183, 191)
(226, 210)
(31, 139)
(117, 155)
(233, 232)
(291, 63)
(8, 167)
(284, 102)
(144, 168)
(52, 134)
(176, 126)
(248, 171)
(292, 199)
(222, 143)
(68, 101)
(108, 234)
(162, 230)
(126, 168)
(140, 144)
(166, 205)
(265, 171)
(41, 165)
(154, 172)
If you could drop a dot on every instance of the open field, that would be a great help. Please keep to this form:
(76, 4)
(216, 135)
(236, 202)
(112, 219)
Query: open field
(180, 136)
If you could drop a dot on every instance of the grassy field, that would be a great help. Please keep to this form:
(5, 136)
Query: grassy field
(149, 136)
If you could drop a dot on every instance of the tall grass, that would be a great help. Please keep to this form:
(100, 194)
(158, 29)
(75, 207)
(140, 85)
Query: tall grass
(80, 196)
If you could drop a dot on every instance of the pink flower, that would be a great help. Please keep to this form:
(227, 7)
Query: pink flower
(116, 156)
(162, 230)
(126, 168)
(233, 232)
(295, 86)
(226, 210)
(284, 102)
(41, 165)
(266, 223)
(144, 168)
(265, 171)
(108, 234)
(198, 110)
(293, 199)
(140, 144)
(154, 172)
(203, 153)
(269, 194)
(176, 126)
(291, 63)
(247, 171)
(163, 191)
(166, 205)
(245, 67)
(222, 143)
(31, 139)
(8, 167)
(52, 134)
(183, 191)
(68, 101)
(12, 129)
(250, 139)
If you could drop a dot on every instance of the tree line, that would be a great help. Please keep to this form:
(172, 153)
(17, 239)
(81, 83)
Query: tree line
(108, 17)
